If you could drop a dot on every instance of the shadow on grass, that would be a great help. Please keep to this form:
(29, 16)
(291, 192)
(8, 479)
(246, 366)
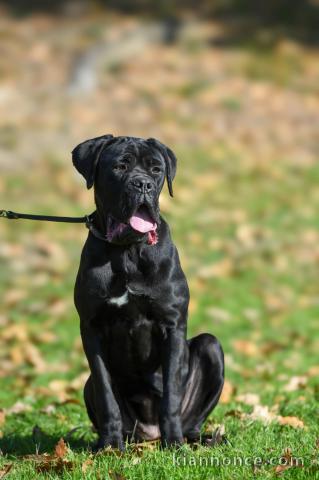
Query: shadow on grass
(19, 444)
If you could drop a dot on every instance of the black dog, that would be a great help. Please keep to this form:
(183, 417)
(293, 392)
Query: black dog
(147, 381)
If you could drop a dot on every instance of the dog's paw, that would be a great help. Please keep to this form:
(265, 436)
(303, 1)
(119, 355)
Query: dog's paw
(108, 442)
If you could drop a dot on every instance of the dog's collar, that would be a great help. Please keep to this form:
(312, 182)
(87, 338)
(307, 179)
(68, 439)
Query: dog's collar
(94, 230)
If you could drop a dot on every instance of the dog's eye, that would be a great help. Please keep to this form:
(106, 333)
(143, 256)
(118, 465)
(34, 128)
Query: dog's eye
(121, 167)
(156, 170)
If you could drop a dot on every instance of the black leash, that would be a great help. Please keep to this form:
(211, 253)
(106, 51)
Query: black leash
(50, 218)
(87, 219)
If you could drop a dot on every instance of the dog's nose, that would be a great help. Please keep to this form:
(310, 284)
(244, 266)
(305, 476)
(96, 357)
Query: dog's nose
(142, 184)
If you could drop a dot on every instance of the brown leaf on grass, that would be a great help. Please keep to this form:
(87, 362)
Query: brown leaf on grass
(2, 416)
(14, 296)
(281, 468)
(58, 388)
(58, 307)
(313, 371)
(45, 336)
(56, 466)
(218, 436)
(294, 422)
(19, 407)
(266, 415)
(67, 401)
(248, 398)
(246, 347)
(60, 449)
(55, 462)
(34, 357)
(78, 382)
(272, 346)
(86, 465)
(221, 269)
(16, 354)
(286, 461)
(295, 383)
(48, 409)
(16, 331)
(227, 392)
(140, 447)
(5, 469)
(236, 413)
(219, 315)
(261, 413)
(274, 303)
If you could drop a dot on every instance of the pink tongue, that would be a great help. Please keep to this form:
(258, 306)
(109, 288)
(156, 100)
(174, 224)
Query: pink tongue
(142, 222)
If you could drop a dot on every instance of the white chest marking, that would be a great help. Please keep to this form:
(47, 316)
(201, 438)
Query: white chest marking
(119, 301)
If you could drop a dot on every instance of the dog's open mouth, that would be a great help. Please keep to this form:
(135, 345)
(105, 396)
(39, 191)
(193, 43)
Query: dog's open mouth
(141, 222)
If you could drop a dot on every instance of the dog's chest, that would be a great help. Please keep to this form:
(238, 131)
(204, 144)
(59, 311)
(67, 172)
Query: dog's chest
(128, 282)
(120, 300)
(132, 331)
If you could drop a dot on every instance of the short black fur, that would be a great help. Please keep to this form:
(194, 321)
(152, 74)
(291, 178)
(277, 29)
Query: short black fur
(147, 381)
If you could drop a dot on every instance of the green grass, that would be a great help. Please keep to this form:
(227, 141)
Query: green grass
(248, 238)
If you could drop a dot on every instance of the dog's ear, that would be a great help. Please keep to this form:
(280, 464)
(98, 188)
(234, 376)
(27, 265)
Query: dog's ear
(86, 155)
(170, 161)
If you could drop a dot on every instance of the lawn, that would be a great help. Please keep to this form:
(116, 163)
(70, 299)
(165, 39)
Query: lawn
(248, 244)
(245, 220)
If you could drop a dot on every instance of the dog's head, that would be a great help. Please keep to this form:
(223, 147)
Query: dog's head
(128, 174)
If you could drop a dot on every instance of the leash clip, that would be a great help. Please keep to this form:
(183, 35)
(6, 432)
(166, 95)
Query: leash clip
(8, 214)
(88, 221)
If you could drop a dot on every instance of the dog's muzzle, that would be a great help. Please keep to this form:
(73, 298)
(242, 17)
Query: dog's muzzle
(139, 225)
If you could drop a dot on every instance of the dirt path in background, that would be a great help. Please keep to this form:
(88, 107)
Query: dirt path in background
(65, 80)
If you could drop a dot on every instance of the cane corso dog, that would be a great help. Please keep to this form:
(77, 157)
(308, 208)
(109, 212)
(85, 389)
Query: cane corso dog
(147, 380)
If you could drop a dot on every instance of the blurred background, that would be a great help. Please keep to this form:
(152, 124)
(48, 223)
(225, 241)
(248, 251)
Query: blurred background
(233, 88)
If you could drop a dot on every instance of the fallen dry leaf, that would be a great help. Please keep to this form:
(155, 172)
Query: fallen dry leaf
(55, 465)
(140, 447)
(220, 269)
(227, 393)
(5, 469)
(286, 461)
(261, 413)
(19, 407)
(61, 448)
(49, 409)
(313, 371)
(291, 421)
(86, 465)
(14, 296)
(2, 416)
(55, 462)
(295, 383)
(234, 413)
(266, 415)
(246, 347)
(33, 356)
(248, 398)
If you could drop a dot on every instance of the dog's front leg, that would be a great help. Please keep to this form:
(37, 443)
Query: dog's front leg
(173, 359)
(106, 409)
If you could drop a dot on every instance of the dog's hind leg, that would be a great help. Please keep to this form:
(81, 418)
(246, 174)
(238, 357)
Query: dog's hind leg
(204, 384)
